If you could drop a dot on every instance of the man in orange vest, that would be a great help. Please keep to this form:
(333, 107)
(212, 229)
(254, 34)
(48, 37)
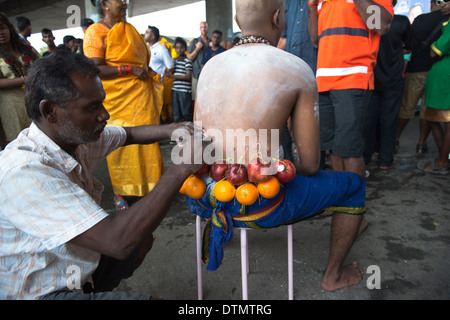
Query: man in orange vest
(347, 33)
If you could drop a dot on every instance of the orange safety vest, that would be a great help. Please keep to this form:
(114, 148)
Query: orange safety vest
(348, 50)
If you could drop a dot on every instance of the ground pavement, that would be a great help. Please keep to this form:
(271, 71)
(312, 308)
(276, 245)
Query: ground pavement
(408, 239)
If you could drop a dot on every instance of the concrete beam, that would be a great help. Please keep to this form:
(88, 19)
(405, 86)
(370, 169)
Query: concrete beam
(53, 14)
(18, 7)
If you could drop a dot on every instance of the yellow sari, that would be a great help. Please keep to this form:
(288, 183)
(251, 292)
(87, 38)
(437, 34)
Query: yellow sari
(166, 113)
(135, 169)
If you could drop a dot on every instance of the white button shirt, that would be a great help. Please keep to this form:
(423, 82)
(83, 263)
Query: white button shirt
(47, 198)
(160, 59)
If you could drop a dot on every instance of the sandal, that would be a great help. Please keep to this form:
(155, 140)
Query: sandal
(393, 165)
(435, 170)
(421, 148)
(120, 205)
(397, 146)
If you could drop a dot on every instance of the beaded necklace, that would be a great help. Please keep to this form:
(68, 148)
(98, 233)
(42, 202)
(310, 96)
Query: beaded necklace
(252, 39)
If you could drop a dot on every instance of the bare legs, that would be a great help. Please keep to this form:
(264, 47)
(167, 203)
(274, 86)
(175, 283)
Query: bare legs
(355, 165)
(344, 229)
(424, 130)
(444, 147)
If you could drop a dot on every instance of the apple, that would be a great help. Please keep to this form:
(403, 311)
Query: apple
(203, 171)
(258, 172)
(218, 171)
(285, 170)
(237, 174)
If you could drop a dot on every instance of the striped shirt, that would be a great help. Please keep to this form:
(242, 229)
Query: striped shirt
(48, 198)
(181, 66)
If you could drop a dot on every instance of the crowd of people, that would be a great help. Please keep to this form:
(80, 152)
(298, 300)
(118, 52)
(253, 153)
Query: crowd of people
(350, 92)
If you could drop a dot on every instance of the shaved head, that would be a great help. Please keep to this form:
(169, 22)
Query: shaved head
(258, 16)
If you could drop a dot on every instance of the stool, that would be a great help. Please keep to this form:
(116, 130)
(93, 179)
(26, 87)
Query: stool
(244, 261)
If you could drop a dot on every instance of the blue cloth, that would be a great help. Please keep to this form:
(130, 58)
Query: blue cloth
(210, 53)
(297, 200)
(296, 33)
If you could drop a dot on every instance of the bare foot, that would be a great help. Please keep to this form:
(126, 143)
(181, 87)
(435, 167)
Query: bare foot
(349, 275)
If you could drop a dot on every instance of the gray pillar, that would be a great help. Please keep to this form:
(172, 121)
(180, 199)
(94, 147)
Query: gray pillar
(219, 15)
(91, 11)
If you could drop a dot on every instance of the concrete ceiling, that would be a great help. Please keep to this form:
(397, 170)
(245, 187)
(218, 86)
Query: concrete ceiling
(53, 14)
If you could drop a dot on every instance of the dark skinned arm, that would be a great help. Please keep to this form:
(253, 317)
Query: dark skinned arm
(10, 83)
(313, 20)
(119, 236)
(111, 72)
(366, 15)
(186, 77)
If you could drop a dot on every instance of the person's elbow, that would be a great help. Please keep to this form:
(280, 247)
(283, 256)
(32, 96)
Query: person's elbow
(307, 169)
(310, 170)
(384, 29)
(123, 250)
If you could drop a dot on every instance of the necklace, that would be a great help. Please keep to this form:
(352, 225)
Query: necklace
(107, 23)
(252, 39)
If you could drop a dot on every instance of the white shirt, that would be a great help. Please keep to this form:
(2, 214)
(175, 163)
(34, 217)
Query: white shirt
(161, 59)
(48, 198)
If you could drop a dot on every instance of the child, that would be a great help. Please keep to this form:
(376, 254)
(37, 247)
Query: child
(181, 89)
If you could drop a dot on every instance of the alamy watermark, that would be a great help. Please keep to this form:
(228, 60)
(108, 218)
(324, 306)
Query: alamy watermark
(74, 277)
(374, 280)
(374, 20)
(74, 19)
(229, 145)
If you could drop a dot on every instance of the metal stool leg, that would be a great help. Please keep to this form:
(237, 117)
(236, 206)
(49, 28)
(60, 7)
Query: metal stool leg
(290, 263)
(244, 263)
(199, 257)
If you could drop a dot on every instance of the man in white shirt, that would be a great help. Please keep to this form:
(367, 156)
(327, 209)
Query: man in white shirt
(161, 58)
(56, 242)
(23, 25)
(161, 61)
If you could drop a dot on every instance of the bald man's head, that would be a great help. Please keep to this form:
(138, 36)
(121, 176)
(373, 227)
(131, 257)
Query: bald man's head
(256, 16)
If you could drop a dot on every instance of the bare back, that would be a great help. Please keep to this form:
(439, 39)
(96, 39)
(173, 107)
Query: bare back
(253, 87)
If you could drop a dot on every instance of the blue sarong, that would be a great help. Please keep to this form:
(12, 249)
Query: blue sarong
(297, 200)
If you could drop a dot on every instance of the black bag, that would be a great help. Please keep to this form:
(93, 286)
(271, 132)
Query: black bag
(426, 44)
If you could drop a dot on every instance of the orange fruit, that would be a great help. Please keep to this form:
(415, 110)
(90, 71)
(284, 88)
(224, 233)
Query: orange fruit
(183, 187)
(270, 188)
(224, 191)
(247, 194)
(195, 187)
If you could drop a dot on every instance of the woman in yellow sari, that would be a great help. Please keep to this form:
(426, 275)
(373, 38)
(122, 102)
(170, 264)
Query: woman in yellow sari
(133, 97)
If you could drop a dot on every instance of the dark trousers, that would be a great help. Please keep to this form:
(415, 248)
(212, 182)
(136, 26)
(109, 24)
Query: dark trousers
(106, 277)
(181, 106)
(381, 125)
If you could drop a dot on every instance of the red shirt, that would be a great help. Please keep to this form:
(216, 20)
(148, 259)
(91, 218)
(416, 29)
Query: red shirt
(348, 49)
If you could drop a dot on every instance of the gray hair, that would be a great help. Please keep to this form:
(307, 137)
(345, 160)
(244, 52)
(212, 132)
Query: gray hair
(50, 78)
